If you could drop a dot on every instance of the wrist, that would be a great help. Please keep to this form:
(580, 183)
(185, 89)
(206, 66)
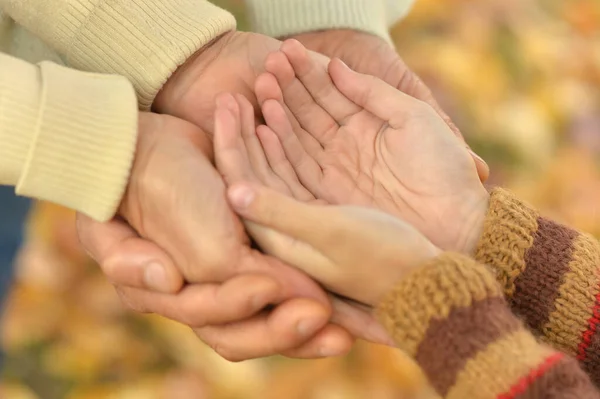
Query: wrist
(472, 222)
(330, 42)
(175, 88)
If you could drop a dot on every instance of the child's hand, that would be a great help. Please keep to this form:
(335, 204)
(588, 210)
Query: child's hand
(355, 252)
(352, 139)
(240, 157)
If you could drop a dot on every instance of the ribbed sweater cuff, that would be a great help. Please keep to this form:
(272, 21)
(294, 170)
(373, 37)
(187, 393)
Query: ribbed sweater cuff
(143, 40)
(549, 273)
(451, 317)
(282, 18)
(508, 233)
(429, 293)
(71, 136)
(20, 90)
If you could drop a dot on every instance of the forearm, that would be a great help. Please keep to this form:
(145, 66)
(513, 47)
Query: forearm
(282, 18)
(550, 274)
(450, 316)
(66, 136)
(143, 40)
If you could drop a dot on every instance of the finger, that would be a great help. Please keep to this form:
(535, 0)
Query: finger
(316, 79)
(253, 146)
(359, 321)
(293, 252)
(231, 155)
(289, 326)
(295, 219)
(372, 94)
(200, 305)
(125, 258)
(256, 154)
(279, 163)
(267, 88)
(331, 341)
(311, 116)
(306, 167)
(483, 169)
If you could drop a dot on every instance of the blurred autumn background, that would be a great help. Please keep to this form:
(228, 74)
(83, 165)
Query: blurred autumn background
(520, 77)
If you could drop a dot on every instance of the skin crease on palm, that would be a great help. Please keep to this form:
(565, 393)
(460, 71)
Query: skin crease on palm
(125, 247)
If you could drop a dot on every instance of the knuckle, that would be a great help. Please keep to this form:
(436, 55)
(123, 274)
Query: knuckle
(190, 316)
(367, 93)
(109, 269)
(226, 352)
(130, 303)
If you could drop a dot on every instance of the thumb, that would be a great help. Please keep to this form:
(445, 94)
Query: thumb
(285, 228)
(126, 258)
(412, 85)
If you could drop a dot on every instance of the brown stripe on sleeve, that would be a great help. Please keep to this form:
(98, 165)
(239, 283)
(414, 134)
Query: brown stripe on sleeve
(556, 288)
(562, 380)
(449, 343)
(431, 292)
(546, 263)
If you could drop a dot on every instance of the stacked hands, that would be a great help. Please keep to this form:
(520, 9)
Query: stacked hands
(347, 186)
(336, 137)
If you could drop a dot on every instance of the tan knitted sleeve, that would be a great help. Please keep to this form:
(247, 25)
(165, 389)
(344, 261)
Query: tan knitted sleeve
(550, 274)
(451, 317)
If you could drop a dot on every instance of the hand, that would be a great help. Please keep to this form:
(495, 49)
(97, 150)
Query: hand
(371, 55)
(353, 139)
(176, 199)
(230, 64)
(239, 157)
(356, 252)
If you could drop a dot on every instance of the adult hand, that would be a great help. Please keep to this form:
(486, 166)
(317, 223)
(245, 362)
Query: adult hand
(230, 64)
(351, 138)
(371, 55)
(177, 199)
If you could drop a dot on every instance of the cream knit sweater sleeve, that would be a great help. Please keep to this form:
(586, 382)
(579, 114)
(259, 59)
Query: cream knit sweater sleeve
(281, 18)
(143, 40)
(66, 136)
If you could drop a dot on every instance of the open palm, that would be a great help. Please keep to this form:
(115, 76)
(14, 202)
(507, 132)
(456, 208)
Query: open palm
(352, 139)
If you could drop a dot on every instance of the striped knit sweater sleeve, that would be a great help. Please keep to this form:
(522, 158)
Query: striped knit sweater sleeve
(450, 315)
(550, 274)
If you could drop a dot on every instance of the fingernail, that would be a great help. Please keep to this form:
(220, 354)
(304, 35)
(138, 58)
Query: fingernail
(475, 155)
(343, 63)
(308, 327)
(241, 196)
(155, 277)
(325, 351)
